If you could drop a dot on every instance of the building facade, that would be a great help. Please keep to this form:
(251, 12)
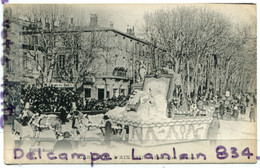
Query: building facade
(98, 62)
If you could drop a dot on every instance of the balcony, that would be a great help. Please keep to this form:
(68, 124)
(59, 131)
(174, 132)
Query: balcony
(120, 72)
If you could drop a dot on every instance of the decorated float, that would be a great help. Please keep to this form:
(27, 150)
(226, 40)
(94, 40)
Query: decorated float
(153, 117)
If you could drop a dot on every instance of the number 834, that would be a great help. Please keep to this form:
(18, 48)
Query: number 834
(221, 152)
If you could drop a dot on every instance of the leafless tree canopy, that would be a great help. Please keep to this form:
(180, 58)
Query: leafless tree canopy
(208, 49)
(56, 32)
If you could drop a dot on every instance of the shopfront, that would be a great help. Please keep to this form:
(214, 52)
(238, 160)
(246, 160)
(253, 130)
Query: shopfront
(107, 87)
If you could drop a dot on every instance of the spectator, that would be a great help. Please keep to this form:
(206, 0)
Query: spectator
(229, 112)
(63, 114)
(254, 99)
(252, 113)
(108, 132)
(236, 112)
(200, 104)
(242, 111)
(247, 100)
(221, 110)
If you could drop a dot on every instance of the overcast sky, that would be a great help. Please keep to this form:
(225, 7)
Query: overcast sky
(132, 15)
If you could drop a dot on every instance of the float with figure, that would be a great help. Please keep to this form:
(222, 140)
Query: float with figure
(157, 112)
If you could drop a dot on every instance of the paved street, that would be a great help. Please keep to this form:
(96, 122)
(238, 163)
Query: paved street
(94, 137)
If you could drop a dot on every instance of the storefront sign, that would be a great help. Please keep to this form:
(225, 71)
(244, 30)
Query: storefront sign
(67, 85)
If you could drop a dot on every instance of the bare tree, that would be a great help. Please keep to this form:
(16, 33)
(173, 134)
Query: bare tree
(203, 45)
(57, 36)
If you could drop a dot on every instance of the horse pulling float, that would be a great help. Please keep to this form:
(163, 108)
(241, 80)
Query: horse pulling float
(37, 124)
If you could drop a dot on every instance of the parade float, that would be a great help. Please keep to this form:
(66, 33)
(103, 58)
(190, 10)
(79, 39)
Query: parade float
(152, 120)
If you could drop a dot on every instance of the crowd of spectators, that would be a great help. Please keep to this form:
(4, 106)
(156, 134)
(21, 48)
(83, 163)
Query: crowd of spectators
(47, 99)
(109, 103)
(51, 99)
(232, 107)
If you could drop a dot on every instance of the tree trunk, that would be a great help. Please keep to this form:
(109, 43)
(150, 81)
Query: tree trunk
(195, 77)
(49, 77)
(226, 76)
(176, 65)
(188, 78)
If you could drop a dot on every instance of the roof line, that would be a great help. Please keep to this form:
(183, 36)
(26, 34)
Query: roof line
(90, 30)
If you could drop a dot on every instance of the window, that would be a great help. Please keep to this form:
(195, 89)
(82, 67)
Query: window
(101, 94)
(76, 61)
(88, 93)
(130, 46)
(122, 92)
(35, 40)
(36, 60)
(136, 48)
(53, 41)
(7, 66)
(114, 92)
(47, 26)
(25, 60)
(119, 44)
(61, 61)
(141, 50)
(43, 62)
(126, 45)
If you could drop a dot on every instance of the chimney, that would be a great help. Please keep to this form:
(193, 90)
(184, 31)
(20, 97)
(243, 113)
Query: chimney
(133, 31)
(130, 31)
(111, 25)
(93, 20)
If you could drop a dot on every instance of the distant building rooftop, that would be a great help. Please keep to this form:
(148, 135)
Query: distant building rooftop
(113, 77)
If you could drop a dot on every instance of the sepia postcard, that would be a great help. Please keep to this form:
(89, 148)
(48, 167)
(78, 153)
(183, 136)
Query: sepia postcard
(129, 83)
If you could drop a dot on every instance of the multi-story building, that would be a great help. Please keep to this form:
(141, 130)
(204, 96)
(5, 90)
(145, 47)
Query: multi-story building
(99, 62)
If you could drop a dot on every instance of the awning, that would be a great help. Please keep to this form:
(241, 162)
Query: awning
(63, 85)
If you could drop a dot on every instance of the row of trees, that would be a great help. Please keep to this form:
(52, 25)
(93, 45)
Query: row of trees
(211, 52)
(49, 32)
(46, 37)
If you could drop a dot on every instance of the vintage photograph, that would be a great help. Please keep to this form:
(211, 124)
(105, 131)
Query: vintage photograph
(130, 83)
